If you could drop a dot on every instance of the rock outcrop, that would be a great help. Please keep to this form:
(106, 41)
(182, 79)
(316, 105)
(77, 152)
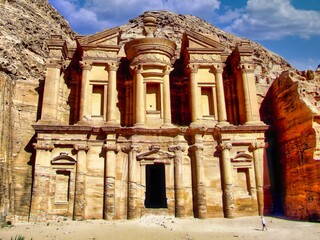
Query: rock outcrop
(24, 26)
(292, 109)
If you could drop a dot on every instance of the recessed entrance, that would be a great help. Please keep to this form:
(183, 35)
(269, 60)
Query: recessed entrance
(155, 186)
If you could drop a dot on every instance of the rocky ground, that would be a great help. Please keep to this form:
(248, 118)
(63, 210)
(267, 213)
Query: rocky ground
(161, 227)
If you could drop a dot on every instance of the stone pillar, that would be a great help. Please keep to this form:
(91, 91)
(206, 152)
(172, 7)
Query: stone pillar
(110, 178)
(132, 181)
(140, 111)
(84, 100)
(80, 185)
(166, 98)
(250, 95)
(40, 191)
(200, 187)
(228, 198)
(178, 181)
(112, 94)
(222, 113)
(51, 93)
(257, 149)
(194, 93)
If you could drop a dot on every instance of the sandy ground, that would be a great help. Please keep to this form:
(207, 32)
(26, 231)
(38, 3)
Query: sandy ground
(160, 228)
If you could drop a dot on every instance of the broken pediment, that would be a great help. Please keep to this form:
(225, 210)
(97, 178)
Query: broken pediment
(107, 37)
(156, 155)
(192, 41)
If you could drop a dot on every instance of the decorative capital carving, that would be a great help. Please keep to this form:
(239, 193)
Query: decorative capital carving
(256, 145)
(167, 69)
(246, 67)
(79, 147)
(111, 147)
(217, 68)
(193, 68)
(112, 66)
(48, 146)
(196, 147)
(176, 148)
(224, 146)
(85, 65)
(130, 148)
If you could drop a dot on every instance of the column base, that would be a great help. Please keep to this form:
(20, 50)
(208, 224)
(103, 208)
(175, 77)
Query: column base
(223, 123)
(254, 123)
(167, 125)
(112, 123)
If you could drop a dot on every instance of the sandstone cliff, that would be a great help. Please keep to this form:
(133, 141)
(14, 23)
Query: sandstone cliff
(291, 107)
(24, 26)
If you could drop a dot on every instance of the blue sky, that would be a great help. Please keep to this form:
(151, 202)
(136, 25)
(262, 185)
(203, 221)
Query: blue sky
(290, 28)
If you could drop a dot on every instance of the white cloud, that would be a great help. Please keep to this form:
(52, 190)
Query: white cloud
(275, 19)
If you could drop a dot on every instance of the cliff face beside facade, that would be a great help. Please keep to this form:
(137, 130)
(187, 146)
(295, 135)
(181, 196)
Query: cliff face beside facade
(24, 26)
(292, 109)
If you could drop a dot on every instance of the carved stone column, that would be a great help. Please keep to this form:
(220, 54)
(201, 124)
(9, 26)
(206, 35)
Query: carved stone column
(84, 100)
(51, 93)
(109, 183)
(200, 188)
(80, 185)
(228, 198)
(132, 151)
(112, 94)
(194, 93)
(178, 181)
(166, 97)
(222, 113)
(257, 149)
(41, 179)
(140, 112)
(250, 95)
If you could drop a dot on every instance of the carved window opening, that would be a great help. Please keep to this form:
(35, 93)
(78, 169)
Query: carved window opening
(155, 186)
(207, 101)
(62, 190)
(243, 180)
(97, 103)
(153, 98)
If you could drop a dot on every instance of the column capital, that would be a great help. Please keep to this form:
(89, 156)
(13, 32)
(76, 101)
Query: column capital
(167, 69)
(225, 145)
(246, 67)
(129, 148)
(193, 68)
(111, 147)
(137, 69)
(197, 146)
(217, 68)
(112, 66)
(48, 146)
(176, 148)
(54, 64)
(256, 145)
(85, 65)
(79, 147)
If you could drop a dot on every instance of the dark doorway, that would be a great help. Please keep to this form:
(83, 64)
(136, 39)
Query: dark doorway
(155, 186)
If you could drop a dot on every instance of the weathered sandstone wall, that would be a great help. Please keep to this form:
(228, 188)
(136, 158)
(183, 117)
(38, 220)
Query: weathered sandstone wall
(292, 109)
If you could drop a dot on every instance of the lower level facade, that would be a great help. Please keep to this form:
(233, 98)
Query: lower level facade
(87, 172)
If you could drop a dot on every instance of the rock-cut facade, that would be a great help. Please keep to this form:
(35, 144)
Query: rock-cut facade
(141, 127)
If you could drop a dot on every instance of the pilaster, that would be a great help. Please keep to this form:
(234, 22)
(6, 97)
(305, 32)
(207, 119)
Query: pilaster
(112, 94)
(80, 185)
(228, 196)
(257, 149)
(178, 181)
(132, 151)
(200, 187)
(84, 113)
(110, 176)
(166, 98)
